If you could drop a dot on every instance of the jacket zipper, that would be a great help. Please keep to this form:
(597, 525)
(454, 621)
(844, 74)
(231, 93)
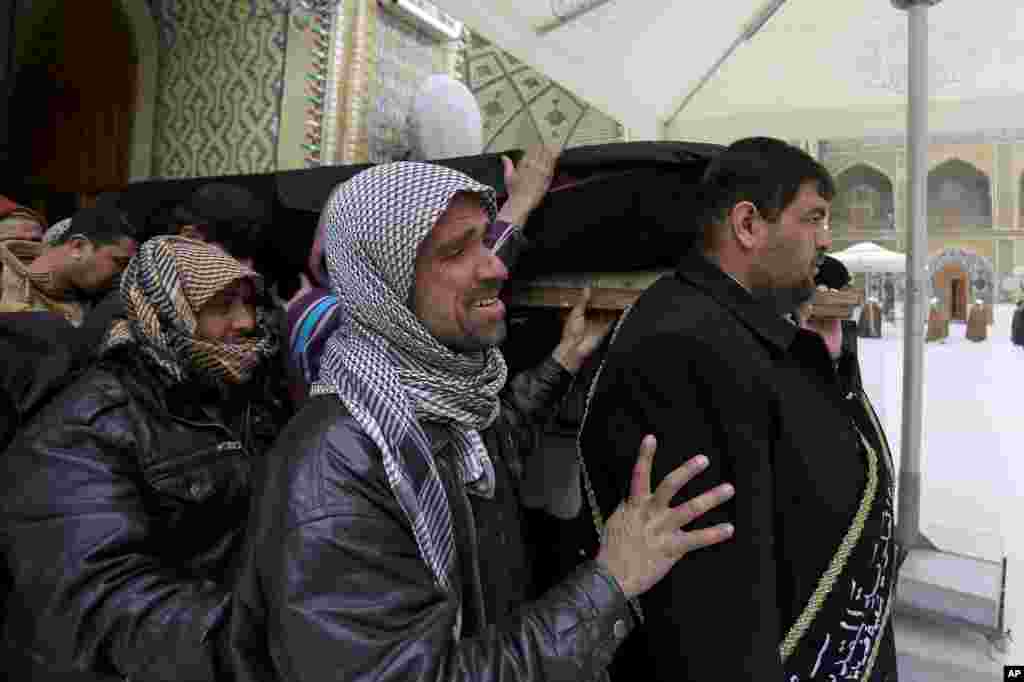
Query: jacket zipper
(220, 428)
(205, 459)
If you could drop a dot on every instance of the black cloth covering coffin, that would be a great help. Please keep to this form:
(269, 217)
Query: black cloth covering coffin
(614, 207)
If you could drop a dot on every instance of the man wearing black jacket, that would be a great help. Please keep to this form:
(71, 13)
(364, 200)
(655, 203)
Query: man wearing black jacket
(707, 358)
(40, 349)
(387, 542)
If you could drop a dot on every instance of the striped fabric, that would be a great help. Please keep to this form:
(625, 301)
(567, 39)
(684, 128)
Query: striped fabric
(12, 215)
(22, 290)
(389, 371)
(57, 232)
(164, 287)
(311, 321)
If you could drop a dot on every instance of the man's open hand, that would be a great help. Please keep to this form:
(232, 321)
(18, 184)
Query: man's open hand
(527, 183)
(582, 333)
(644, 538)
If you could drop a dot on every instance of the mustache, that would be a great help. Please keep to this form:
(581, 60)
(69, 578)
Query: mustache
(487, 292)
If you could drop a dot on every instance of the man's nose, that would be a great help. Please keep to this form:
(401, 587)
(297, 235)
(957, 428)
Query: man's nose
(244, 318)
(824, 238)
(493, 268)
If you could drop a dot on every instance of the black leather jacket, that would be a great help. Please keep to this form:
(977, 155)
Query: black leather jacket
(122, 509)
(333, 574)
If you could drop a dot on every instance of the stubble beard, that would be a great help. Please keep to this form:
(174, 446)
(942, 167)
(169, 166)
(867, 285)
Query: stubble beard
(481, 340)
(783, 299)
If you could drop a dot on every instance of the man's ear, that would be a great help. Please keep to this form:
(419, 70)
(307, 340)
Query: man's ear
(192, 232)
(746, 224)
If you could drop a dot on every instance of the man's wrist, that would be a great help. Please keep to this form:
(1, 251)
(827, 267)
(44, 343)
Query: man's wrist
(515, 212)
(567, 357)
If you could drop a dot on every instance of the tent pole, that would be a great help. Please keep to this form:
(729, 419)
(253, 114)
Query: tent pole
(765, 12)
(571, 16)
(909, 525)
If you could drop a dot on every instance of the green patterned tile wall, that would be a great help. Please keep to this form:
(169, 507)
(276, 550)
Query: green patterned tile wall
(522, 106)
(220, 85)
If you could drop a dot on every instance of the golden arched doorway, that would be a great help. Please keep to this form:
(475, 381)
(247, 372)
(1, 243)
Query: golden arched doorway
(74, 104)
(953, 282)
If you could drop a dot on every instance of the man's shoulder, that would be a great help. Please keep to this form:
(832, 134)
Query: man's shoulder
(95, 399)
(325, 434)
(673, 310)
(324, 419)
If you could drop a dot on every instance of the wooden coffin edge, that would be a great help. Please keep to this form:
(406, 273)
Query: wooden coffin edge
(612, 291)
(616, 292)
(835, 305)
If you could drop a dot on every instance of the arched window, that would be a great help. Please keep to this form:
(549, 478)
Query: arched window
(959, 196)
(863, 200)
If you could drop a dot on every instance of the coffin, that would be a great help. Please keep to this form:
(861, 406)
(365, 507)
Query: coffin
(616, 207)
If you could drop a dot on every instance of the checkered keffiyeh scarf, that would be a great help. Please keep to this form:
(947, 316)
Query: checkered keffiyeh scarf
(57, 232)
(163, 289)
(389, 371)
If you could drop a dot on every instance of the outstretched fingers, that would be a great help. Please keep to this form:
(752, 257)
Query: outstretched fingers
(679, 477)
(583, 302)
(684, 542)
(640, 486)
(691, 510)
(509, 169)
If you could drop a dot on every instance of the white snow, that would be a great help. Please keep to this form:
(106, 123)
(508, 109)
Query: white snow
(973, 433)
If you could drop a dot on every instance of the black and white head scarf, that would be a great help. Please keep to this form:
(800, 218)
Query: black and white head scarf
(389, 371)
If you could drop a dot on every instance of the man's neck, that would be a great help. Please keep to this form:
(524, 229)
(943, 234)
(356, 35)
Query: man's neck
(733, 275)
(777, 299)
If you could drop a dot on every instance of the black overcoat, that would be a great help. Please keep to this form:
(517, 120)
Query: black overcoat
(706, 369)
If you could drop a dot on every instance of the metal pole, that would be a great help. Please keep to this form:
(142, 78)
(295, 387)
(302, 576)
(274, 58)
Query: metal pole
(574, 13)
(765, 12)
(909, 527)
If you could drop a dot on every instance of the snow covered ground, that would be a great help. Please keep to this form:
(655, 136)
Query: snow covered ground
(972, 459)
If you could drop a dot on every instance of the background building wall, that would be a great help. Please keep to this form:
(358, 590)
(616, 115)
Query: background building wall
(403, 57)
(220, 85)
(522, 106)
(993, 157)
(309, 103)
(386, 59)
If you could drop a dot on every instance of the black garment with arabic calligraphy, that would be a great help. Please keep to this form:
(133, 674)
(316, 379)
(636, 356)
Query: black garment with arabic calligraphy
(708, 370)
(846, 624)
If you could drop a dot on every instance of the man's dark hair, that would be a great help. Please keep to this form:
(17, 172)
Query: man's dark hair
(102, 225)
(762, 170)
(228, 214)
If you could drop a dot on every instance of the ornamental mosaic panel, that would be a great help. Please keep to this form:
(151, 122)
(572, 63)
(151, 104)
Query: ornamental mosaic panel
(521, 106)
(557, 114)
(220, 86)
(406, 57)
(980, 274)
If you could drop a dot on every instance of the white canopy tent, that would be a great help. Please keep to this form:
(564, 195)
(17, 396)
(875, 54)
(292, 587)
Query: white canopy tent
(640, 61)
(801, 70)
(870, 258)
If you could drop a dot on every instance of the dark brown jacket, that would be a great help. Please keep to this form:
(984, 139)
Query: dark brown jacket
(335, 575)
(122, 508)
(708, 370)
